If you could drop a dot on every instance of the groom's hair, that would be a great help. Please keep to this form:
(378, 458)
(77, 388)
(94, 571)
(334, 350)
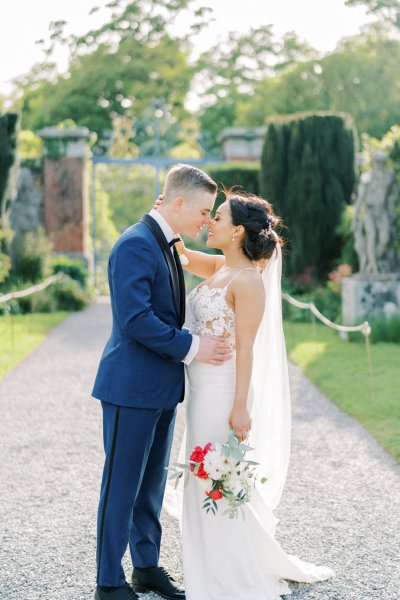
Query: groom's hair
(182, 178)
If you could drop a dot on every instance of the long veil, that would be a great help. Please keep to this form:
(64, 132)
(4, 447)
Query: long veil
(269, 391)
(269, 399)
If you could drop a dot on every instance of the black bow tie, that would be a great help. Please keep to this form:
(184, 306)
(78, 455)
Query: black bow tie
(174, 241)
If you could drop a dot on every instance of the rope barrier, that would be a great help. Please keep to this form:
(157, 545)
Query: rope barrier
(364, 328)
(33, 289)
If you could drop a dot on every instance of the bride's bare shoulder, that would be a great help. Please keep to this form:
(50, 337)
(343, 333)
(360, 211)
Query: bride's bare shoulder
(248, 282)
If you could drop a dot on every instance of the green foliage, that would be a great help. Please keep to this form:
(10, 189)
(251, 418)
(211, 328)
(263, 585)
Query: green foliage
(30, 146)
(128, 193)
(228, 74)
(240, 175)
(326, 298)
(5, 261)
(64, 295)
(5, 266)
(388, 10)
(344, 81)
(72, 267)
(31, 256)
(308, 175)
(8, 146)
(69, 295)
(386, 330)
(115, 71)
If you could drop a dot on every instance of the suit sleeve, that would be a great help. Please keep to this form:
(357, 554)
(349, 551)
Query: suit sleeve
(133, 268)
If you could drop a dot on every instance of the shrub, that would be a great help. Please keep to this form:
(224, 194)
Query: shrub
(5, 265)
(69, 295)
(382, 330)
(307, 173)
(72, 267)
(31, 256)
(41, 302)
(244, 176)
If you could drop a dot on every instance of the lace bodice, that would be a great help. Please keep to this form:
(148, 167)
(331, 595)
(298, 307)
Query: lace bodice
(211, 313)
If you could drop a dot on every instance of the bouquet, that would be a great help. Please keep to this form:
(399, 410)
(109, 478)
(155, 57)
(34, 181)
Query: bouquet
(223, 472)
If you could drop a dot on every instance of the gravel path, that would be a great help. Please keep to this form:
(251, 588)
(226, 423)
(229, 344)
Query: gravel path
(341, 504)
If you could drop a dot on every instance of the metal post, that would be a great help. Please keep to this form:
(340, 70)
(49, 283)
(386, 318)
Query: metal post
(369, 361)
(94, 224)
(157, 182)
(12, 329)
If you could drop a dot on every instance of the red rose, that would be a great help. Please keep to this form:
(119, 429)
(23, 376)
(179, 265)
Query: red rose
(201, 473)
(197, 455)
(207, 448)
(215, 495)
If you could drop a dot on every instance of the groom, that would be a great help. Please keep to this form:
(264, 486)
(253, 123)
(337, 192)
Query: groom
(140, 381)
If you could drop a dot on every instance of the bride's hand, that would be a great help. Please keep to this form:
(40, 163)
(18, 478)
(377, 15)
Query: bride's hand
(158, 202)
(240, 421)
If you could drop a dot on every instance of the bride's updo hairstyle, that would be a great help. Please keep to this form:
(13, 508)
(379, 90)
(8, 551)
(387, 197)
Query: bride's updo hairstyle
(259, 222)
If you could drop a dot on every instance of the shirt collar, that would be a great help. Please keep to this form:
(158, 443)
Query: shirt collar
(162, 222)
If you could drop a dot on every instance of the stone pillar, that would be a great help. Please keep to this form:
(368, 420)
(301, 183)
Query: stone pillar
(365, 297)
(243, 143)
(66, 190)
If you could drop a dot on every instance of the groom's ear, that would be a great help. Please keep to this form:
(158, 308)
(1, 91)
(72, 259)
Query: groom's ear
(179, 202)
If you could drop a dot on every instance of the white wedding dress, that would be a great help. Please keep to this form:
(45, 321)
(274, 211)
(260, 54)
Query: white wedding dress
(239, 559)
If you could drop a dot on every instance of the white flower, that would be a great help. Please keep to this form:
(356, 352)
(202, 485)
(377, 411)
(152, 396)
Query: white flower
(215, 465)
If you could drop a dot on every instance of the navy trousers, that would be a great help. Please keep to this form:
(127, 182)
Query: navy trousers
(137, 444)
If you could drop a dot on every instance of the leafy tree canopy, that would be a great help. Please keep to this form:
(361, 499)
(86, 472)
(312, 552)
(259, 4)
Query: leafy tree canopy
(388, 10)
(346, 80)
(115, 71)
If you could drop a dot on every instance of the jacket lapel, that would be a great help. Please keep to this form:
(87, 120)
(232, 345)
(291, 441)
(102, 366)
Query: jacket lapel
(174, 278)
(181, 279)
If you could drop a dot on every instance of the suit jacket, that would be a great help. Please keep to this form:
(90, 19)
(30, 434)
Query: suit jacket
(141, 365)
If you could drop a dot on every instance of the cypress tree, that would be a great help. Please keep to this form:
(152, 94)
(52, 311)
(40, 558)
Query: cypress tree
(8, 145)
(307, 173)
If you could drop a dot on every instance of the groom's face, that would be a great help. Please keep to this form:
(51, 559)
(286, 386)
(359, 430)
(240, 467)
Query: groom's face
(195, 211)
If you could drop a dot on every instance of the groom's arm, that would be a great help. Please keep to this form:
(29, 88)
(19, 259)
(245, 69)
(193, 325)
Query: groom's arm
(133, 268)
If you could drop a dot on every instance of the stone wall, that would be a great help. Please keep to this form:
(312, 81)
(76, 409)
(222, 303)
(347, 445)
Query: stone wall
(243, 143)
(66, 216)
(27, 213)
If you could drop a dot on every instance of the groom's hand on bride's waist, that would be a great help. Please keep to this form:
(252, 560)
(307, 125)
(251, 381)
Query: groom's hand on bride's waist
(213, 350)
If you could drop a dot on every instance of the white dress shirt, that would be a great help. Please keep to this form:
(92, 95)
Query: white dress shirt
(169, 235)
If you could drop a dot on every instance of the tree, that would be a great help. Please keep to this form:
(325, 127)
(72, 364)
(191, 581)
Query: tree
(307, 173)
(8, 146)
(388, 10)
(115, 71)
(346, 80)
(228, 73)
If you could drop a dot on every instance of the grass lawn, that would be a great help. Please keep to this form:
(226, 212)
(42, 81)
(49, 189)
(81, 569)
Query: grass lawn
(22, 337)
(340, 370)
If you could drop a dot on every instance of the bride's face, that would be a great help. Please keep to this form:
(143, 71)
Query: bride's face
(221, 229)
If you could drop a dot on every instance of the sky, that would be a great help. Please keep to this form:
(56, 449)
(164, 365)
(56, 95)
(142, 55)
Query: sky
(320, 22)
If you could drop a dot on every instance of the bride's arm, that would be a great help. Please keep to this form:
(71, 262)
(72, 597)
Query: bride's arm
(200, 263)
(249, 301)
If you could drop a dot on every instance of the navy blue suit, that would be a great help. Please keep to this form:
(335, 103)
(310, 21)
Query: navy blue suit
(140, 380)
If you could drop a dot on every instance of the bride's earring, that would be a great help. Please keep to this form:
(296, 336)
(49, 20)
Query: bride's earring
(233, 238)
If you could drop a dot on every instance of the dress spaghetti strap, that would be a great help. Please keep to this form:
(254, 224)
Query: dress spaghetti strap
(237, 273)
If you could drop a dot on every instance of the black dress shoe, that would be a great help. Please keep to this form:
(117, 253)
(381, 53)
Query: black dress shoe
(119, 593)
(157, 579)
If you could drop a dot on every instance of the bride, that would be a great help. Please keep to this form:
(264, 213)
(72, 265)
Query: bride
(224, 558)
